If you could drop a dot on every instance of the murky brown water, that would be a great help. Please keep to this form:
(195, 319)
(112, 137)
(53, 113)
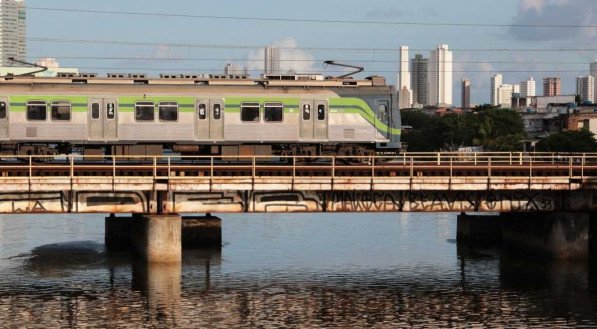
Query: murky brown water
(285, 271)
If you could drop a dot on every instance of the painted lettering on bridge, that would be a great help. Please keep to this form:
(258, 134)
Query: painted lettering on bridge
(518, 201)
(440, 201)
(364, 201)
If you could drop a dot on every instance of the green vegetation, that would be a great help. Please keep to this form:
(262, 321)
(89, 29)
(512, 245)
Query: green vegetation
(493, 128)
(568, 141)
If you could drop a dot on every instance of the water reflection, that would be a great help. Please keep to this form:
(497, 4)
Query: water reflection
(160, 284)
(288, 274)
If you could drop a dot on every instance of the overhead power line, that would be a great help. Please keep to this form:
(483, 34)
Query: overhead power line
(357, 60)
(303, 20)
(254, 47)
(211, 70)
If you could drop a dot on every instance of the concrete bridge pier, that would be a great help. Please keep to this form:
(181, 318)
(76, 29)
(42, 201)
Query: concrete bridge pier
(201, 232)
(160, 238)
(157, 238)
(118, 233)
(551, 235)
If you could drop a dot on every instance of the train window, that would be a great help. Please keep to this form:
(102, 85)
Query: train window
(61, 110)
(273, 112)
(3, 110)
(202, 111)
(95, 111)
(320, 112)
(382, 111)
(249, 112)
(110, 111)
(168, 111)
(144, 111)
(37, 110)
(306, 112)
(217, 111)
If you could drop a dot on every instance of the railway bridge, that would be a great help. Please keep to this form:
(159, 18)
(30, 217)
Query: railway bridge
(542, 196)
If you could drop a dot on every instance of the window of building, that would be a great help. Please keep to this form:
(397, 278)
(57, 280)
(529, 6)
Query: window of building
(37, 110)
(274, 112)
(61, 110)
(202, 111)
(217, 111)
(320, 112)
(95, 111)
(249, 112)
(144, 111)
(3, 110)
(168, 111)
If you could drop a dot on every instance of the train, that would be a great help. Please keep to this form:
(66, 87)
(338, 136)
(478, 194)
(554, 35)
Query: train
(133, 114)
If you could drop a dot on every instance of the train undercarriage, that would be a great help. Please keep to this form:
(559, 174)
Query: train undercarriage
(227, 150)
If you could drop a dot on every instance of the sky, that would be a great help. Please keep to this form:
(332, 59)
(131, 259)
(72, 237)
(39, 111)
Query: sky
(181, 36)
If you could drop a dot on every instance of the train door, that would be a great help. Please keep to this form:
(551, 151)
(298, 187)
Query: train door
(4, 118)
(306, 120)
(216, 124)
(202, 119)
(314, 120)
(320, 120)
(103, 119)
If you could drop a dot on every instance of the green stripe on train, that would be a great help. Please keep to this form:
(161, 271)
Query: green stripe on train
(19, 103)
(232, 105)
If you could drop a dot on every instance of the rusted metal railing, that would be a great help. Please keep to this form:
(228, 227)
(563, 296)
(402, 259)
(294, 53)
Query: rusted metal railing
(446, 164)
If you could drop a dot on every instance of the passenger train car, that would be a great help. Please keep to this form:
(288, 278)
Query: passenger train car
(132, 114)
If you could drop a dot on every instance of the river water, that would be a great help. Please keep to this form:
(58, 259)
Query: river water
(285, 271)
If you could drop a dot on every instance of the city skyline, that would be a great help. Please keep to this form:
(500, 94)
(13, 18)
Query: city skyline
(175, 39)
(13, 42)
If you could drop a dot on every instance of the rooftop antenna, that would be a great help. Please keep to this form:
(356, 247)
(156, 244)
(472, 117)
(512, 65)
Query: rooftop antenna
(41, 67)
(357, 68)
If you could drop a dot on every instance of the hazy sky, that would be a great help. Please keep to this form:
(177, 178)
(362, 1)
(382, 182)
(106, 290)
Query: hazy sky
(172, 43)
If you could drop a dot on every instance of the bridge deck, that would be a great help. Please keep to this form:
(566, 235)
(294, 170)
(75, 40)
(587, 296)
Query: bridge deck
(409, 182)
(494, 171)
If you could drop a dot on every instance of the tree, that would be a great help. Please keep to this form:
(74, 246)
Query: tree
(569, 141)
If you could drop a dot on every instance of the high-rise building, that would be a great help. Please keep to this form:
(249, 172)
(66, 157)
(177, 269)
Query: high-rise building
(527, 88)
(272, 60)
(235, 70)
(552, 86)
(505, 92)
(496, 82)
(404, 97)
(440, 77)
(12, 32)
(404, 77)
(418, 79)
(585, 87)
(593, 73)
(466, 93)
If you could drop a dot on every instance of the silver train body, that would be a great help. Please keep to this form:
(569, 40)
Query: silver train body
(138, 115)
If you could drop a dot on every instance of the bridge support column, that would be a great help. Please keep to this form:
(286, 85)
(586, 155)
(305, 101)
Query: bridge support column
(479, 230)
(201, 232)
(118, 232)
(555, 235)
(552, 235)
(157, 238)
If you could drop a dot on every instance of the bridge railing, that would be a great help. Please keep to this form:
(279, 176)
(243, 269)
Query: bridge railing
(444, 164)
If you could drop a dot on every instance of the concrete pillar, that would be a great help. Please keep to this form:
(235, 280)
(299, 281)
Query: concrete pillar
(118, 231)
(201, 232)
(157, 238)
(554, 235)
(479, 230)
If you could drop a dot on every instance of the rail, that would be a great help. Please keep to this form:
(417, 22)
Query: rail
(172, 167)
